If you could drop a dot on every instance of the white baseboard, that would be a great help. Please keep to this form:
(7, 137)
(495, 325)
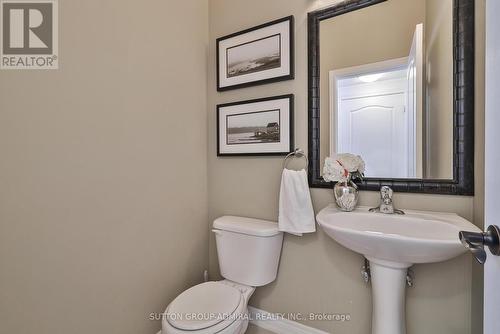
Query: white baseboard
(279, 325)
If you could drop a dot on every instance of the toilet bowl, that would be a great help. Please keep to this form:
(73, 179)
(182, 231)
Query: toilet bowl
(248, 251)
(212, 307)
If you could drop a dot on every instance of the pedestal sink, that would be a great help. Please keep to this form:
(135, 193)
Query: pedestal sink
(393, 243)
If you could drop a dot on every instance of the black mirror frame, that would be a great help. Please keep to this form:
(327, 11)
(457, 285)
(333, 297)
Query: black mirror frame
(463, 133)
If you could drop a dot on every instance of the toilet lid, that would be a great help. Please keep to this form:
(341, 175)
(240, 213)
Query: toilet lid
(204, 305)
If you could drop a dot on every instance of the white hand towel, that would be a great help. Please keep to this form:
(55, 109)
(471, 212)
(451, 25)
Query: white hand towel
(296, 214)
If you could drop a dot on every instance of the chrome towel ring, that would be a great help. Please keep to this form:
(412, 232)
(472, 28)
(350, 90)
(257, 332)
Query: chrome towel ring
(297, 153)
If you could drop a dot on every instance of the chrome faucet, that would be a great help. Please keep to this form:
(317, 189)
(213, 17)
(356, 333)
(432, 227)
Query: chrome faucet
(386, 205)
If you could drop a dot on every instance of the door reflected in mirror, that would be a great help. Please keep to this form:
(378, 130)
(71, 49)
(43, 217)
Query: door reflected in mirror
(387, 71)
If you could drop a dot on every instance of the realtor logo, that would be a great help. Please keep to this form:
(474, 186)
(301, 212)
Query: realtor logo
(28, 34)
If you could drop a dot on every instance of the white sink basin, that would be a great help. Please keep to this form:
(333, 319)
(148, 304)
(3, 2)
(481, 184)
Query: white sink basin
(392, 243)
(416, 237)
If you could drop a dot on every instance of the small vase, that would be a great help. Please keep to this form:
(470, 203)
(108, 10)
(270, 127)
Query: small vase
(346, 195)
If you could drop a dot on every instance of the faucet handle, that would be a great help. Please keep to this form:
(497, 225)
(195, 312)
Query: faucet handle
(386, 194)
(386, 200)
(386, 205)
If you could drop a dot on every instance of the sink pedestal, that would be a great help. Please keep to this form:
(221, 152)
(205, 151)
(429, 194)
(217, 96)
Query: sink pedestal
(388, 296)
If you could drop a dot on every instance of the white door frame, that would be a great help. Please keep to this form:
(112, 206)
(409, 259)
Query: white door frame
(336, 75)
(492, 161)
(416, 66)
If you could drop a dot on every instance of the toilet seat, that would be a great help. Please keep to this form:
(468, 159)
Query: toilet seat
(203, 306)
(208, 308)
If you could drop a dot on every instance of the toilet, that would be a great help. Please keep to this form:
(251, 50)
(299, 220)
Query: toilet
(249, 252)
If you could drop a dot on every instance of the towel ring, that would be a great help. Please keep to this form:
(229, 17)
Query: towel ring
(297, 153)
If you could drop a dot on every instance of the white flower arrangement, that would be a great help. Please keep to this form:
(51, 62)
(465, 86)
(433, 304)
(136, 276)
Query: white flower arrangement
(343, 168)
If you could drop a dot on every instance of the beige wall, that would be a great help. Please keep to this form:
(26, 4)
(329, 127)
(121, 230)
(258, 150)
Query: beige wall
(103, 168)
(316, 274)
(438, 31)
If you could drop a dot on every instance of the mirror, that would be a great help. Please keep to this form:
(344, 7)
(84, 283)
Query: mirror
(386, 84)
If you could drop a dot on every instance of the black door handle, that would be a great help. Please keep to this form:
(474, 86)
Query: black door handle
(475, 242)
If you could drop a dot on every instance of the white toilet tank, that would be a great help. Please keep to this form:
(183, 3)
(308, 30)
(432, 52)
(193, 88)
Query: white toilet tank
(248, 249)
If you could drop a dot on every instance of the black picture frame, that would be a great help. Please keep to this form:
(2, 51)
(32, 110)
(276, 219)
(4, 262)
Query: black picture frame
(462, 182)
(290, 129)
(291, 70)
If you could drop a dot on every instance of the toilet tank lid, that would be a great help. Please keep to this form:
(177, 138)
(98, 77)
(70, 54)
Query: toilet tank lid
(249, 226)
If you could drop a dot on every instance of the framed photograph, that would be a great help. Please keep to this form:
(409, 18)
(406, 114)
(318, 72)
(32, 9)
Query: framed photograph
(256, 56)
(256, 127)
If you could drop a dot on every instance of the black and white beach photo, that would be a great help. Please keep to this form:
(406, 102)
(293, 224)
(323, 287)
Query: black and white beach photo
(255, 56)
(260, 55)
(253, 127)
(256, 127)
